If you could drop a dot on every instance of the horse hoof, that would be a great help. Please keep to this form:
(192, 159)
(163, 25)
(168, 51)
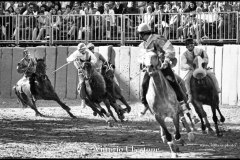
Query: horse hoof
(180, 142)
(219, 135)
(204, 132)
(110, 124)
(196, 121)
(191, 137)
(174, 155)
(95, 113)
(210, 131)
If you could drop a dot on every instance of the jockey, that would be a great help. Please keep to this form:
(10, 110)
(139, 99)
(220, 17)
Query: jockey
(187, 64)
(100, 58)
(82, 53)
(27, 65)
(166, 53)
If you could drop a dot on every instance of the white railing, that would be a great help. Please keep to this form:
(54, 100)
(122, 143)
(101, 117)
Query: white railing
(118, 28)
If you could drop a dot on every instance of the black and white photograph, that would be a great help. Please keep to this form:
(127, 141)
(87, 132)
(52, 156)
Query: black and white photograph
(119, 79)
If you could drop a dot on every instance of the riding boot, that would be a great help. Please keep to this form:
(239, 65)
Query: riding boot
(144, 90)
(187, 84)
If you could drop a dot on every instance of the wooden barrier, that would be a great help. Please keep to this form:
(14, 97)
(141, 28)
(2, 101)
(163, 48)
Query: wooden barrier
(6, 69)
(72, 77)
(224, 60)
(61, 75)
(17, 56)
(51, 60)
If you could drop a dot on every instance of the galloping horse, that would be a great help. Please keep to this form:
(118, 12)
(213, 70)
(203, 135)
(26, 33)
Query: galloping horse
(163, 102)
(41, 88)
(113, 88)
(204, 92)
(95, 89)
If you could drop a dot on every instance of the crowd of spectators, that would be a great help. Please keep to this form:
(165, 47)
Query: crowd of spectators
(170, 18)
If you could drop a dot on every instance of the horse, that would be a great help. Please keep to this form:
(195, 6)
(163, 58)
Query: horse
(108, 70)
(95, 87)
(37, 87)
(204, 92)
(163, 103)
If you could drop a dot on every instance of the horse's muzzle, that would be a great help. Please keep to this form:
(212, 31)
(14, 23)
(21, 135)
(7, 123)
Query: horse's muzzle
(199, 73)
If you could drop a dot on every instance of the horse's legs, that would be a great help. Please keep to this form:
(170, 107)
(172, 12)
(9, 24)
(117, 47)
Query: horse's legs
(106, 102)
(122, 99)
(32, 104)
(118, 110)
(94, 108)
(170, 142)
(215, 120)
(222, 119)
(198, 109)
(63, 105)
(191, 136)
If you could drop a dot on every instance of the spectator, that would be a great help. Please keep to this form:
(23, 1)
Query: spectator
(109, 21)
(118, 8)
(56, 22)
(131, 20)
(49, 6)
(205, 6)
(99, 7)
(43, 25)
(183, 7)
(149, 17)
(191, 8)
(7, 25)
(174, 23)
(57, 5)
(30, 26)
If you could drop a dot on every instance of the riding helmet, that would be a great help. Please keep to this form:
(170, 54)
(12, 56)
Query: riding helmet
(144, 27)
(189, 41)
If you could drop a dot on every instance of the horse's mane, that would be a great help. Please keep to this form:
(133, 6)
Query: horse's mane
(38, 75)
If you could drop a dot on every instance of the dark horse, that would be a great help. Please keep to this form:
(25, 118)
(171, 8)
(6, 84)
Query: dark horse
(204, 92)
(163, 102)
(41, 88)
(96, 91)
(113, 88)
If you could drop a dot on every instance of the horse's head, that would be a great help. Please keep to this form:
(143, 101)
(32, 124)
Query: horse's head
(151, 61)
(199, 67)
(87, 68)
(108, 70)
(41, 66)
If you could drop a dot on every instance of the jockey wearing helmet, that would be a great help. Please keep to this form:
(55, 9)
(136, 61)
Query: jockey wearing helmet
(187, 64)
(27, 65)
(82, 53)
(100, 58)
(166, 53)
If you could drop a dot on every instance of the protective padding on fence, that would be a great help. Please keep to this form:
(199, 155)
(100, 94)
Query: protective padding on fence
(17, 55)
(51, 59)
(72, 78)
(224, 61)
(61, 75)
(6, 72)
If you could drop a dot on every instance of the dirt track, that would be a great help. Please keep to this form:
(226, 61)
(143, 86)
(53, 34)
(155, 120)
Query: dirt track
(58, 136)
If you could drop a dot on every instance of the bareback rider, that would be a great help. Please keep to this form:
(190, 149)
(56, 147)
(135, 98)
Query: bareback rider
(82, 53)
(27, 65)
(166, 53)
(187, 65)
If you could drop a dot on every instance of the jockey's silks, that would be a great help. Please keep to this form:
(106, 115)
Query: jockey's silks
(76, 56)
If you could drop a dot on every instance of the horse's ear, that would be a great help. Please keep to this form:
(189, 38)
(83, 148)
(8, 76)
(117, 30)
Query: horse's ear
(202, 55)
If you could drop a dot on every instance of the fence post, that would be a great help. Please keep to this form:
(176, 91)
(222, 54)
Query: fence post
(87, 29)
(237, 28)
(122, 30)
(17, 30)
